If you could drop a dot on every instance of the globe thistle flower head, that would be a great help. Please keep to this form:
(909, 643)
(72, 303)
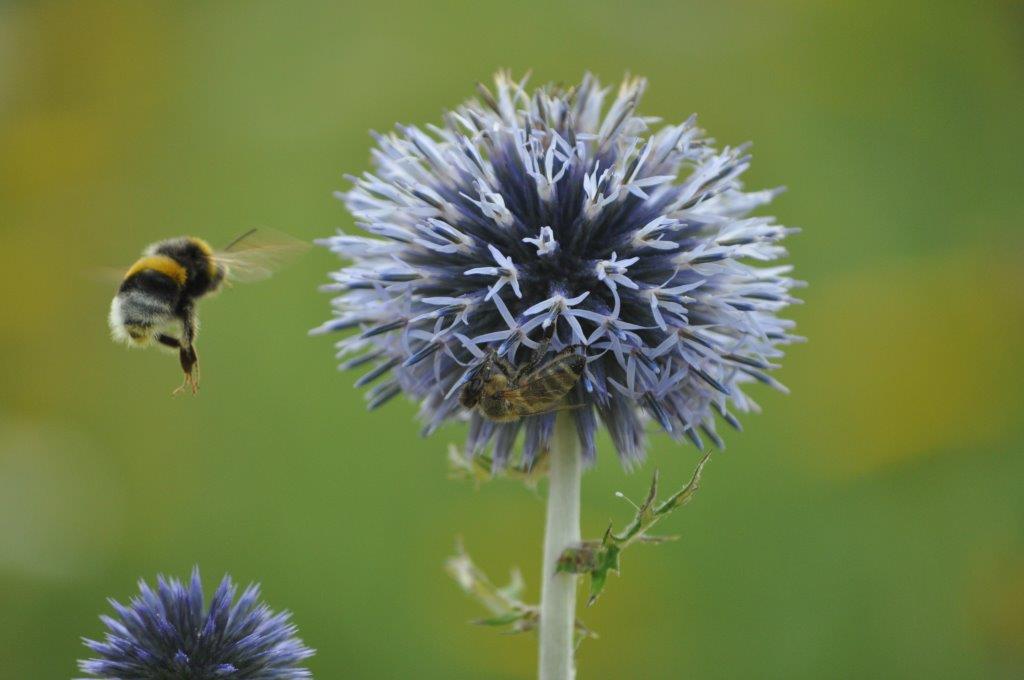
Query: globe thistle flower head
(167, 633)
(550, 214)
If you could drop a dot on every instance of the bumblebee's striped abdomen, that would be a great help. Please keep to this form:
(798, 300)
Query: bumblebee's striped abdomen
(147, 298)
(160, 264)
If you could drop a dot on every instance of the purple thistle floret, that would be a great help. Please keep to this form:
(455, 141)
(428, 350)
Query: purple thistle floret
(166, 634)
(530, 214)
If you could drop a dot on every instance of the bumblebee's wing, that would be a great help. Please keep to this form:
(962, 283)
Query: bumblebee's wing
(258, 253)
(105, 275)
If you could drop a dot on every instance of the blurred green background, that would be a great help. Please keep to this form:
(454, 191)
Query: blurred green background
(869, 525)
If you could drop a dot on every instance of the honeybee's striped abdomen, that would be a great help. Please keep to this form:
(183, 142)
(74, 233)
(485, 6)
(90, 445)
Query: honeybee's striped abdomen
(558, 376)
(540, 390)
(547, 386)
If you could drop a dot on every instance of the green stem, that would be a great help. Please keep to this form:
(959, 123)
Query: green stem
(562, 530)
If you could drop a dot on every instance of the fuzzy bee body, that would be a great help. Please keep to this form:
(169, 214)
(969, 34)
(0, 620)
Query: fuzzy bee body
(506, 393)
(146, 299)
(157, 296)
(160, 289)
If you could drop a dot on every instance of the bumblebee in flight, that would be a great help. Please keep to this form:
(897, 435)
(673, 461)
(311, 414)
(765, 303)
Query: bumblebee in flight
(158, 294)
(504, 392)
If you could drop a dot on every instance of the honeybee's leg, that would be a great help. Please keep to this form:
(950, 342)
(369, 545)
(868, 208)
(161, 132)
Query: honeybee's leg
(503, 365)
(542, 347)
(187, 351)
(537, 357)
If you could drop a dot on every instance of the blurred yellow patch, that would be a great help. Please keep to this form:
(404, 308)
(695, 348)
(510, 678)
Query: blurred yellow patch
(995, 599)
(911, 358)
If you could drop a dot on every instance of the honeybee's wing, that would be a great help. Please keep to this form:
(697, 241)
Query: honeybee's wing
(543, 389)
(258, 253)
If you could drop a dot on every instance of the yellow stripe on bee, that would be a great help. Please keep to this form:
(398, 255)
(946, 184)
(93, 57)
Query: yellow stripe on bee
(160, 263)
(211, 262)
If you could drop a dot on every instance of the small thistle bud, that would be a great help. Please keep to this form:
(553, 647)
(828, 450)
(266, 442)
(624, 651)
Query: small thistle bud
(167, 633)
(549, 213)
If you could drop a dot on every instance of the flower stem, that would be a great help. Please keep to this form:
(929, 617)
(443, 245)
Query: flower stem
(562, 529)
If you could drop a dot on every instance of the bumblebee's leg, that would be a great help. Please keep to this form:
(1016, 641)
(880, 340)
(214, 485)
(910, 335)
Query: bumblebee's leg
(168, 341)
(187, 351)
(190, 365)
(186, 357)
